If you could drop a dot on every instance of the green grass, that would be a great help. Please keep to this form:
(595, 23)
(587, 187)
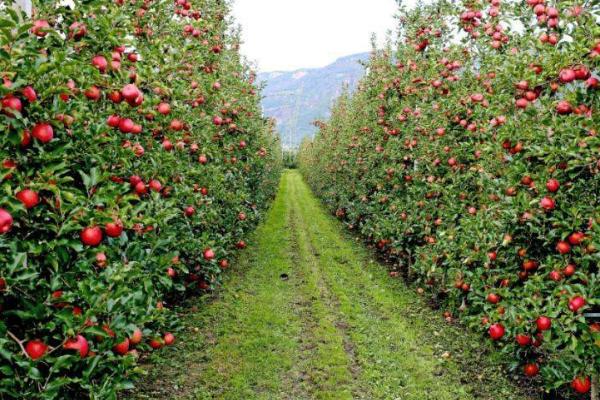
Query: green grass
(337, 328)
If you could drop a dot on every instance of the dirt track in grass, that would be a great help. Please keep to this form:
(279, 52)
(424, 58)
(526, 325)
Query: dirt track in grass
(308, 314)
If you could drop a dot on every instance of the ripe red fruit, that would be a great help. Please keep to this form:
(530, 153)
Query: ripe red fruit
(30, 94)
(79, 344)
(100, 63)
(29, 198)
(155, 185)
(581, 384)
(547, 203)
(36, 349)
(136, 337)
(140, 188)
(497, 331)
(122, 348)
(569, 270)
(176, 125)
(189, 211)
(564, 107)
(113, 121)
(114, 229)
(101, 260)
(493, 298)
(91, 236)
(576, 238)
(576, 303)
(93, 93)
(224, 264)
(521, 103)
(523, 340)
(169, 339)
(130, 93)
(563, 247)
(531, 370)
(171, 273)
(566, 75)
(6, 221)
(43, 132)
(209, 254)
(40, 27)
(126, 125)
(555, 276)
(218, 121)
(543, 323)
(156, 344)
(202, 159)
(552, 185)
(164, 108)
(115, 97)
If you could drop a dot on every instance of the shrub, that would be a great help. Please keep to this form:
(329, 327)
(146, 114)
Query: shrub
(134, 161)
(469, 157)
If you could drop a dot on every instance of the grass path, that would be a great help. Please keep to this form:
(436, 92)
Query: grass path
(307, 314)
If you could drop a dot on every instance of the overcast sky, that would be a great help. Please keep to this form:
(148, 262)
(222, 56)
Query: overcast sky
(293, 34)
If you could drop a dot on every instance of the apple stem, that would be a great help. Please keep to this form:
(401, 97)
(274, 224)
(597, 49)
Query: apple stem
(595, 388)
(19, 342)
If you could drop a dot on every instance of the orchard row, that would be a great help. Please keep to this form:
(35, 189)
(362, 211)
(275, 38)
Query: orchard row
(470, 157)
(134, 160)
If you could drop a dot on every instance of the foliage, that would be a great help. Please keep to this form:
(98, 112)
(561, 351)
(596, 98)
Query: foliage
(472, 163)
(134, 161)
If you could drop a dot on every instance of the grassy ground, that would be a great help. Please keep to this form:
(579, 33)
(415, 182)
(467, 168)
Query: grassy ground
(308, 314)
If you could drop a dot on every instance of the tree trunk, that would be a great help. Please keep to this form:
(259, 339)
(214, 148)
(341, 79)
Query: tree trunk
(595, 388)
(24, 5)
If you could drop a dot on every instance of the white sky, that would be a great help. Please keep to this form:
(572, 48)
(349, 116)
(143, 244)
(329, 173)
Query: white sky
(292, 34)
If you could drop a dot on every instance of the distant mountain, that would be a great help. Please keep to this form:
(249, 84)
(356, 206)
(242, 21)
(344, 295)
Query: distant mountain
(297, 98)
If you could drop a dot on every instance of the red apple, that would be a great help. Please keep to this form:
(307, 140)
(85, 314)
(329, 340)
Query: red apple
(531, 370)
(564, 107)
(547, 203)
(113, 121)
(40, 27)
(6, 221)
(100, 63)
(91, 236)
(209, 254)
(126, 125)
(552, 185)
(155, 185)
(563, 247)
(122, 348)
(30, 94)
(29, 198)
(79, 344)
(36, 349)
(523, 340)
(496, 331)
(114, 229)
(581, 384)
(493, 298)
(543, 323)
(130, 93)
(136, 337)
(169, 339)
(576, 303)
(576, 238)
(164, 108)
(43, 132)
